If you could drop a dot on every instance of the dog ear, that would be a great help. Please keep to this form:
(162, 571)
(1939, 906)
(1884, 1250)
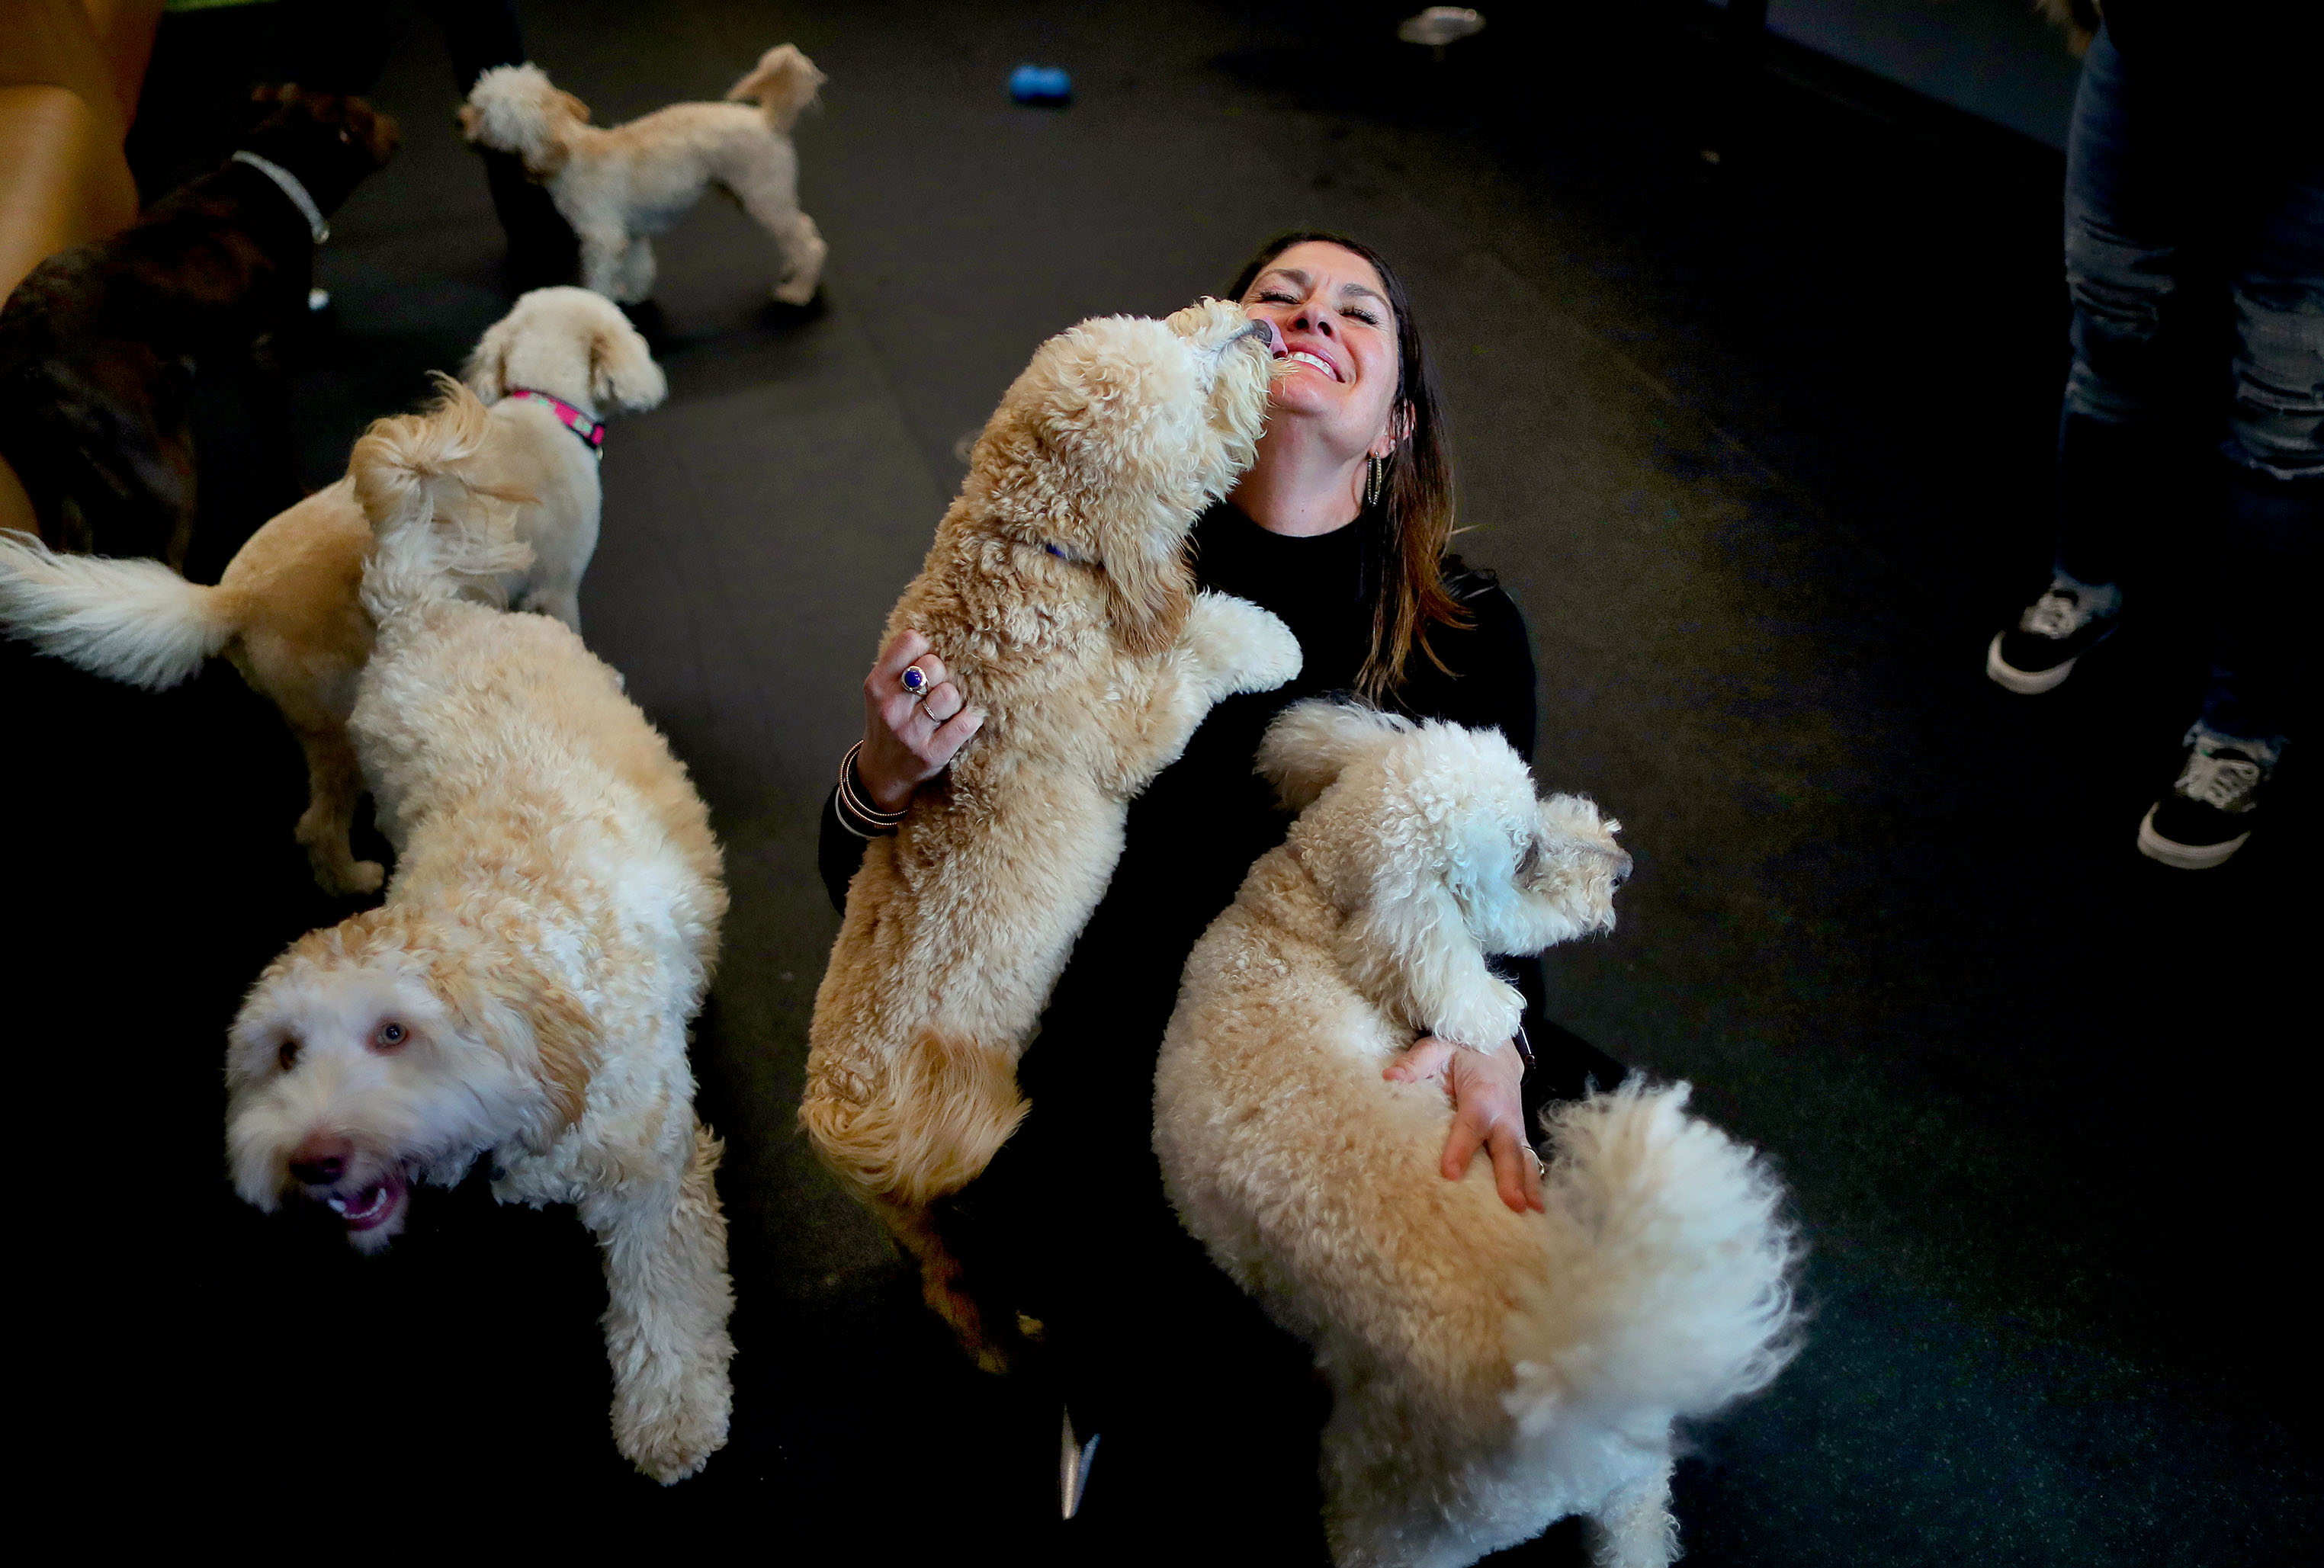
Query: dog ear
(1401, 853)
(622, 369)
(486, 372)
(1149, 595)
(573, 106)
(1413, 952)
(537, 1025)
(566, 1048)
(1311, 743)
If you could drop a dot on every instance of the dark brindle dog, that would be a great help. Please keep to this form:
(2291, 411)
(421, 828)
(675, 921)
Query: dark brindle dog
(97, 345)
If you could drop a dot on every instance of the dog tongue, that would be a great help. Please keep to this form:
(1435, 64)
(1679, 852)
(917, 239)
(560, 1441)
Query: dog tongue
(371, 1206)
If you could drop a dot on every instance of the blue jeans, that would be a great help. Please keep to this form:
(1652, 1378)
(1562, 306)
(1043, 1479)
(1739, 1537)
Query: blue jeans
(2163, 207)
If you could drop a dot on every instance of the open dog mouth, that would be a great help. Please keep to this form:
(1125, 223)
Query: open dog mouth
(368, 1208)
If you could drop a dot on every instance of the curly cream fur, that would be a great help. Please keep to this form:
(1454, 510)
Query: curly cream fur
(1091, 669)
(547, 938)
(1491, 1372)
(620, 184)
(285, 613)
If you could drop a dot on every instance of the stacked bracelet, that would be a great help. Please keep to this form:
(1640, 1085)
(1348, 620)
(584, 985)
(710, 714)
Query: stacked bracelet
(856, 813)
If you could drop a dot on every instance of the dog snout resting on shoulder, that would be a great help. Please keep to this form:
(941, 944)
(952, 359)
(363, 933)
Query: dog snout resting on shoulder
(1058, 594)
(1491, 1372)
(524, 993)
(286, 613)
(618, 186)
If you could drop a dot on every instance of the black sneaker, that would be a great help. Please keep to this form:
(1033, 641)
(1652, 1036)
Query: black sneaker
(2209, 811)
(2057, 629)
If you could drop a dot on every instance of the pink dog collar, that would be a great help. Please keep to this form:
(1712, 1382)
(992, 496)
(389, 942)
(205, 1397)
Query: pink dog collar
(591, 431)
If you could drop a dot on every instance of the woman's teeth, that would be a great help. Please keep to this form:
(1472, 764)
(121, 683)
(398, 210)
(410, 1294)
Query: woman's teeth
(1303, 357)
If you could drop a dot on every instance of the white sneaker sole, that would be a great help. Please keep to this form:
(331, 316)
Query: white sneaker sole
(2187, 857)
(2025, 682)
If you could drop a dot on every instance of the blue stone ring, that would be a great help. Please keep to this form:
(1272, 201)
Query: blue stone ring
(914, 679)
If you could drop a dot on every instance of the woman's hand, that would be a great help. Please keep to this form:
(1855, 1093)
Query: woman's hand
(909, 740)
(1487, 1112)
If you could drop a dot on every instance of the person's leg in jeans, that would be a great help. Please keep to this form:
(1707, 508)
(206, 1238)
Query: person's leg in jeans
(2274, 503)
(2125, 206)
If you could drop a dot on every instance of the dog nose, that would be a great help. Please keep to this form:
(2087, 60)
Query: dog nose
(1622, 867)
(1261, 328)
(320, 1161)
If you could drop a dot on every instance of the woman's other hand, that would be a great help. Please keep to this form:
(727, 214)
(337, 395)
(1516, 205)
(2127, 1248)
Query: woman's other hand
(909, 740)
(1487, 1112)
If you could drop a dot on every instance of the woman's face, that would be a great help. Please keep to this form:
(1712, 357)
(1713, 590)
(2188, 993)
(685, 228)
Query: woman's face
(1333, 311)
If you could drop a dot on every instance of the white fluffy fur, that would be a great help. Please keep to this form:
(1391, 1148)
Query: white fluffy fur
(285, 613)
(1491, 1372)
(525, 990)
(620, 184)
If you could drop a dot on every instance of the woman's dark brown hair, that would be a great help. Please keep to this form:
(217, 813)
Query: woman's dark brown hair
(1416, 500)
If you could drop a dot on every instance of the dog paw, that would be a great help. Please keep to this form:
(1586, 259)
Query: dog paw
(794, 291)
(1480, 1019)
(670, 1432)
(1247, 648)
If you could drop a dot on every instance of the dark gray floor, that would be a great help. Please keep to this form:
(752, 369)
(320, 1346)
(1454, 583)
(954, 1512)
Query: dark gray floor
(1759, 447)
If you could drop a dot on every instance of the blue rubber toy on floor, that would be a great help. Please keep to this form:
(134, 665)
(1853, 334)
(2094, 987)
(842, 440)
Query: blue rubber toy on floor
(1040, 84)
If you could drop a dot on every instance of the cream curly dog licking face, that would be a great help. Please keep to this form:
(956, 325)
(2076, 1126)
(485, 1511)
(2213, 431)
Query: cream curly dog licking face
(285, 614)
(1058, 594)
(524, 993)
(1491, 1372)
(618, 186)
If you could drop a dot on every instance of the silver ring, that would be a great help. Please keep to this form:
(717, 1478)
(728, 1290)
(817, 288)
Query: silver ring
(1540, 1171)
(914, 679)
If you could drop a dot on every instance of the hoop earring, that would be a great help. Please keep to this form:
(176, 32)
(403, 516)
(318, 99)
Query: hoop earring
(1375, 481)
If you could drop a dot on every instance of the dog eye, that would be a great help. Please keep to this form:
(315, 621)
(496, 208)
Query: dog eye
(388, 1036)
(1530, 859)
(286, 1054)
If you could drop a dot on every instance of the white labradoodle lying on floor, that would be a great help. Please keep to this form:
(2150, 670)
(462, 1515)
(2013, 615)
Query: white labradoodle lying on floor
(1491, 1372)
(618, 186)
(524, 993)
(1058, 596)
(285, 613)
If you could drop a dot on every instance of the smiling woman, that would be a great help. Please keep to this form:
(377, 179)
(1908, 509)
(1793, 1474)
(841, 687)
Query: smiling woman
(1341, 528)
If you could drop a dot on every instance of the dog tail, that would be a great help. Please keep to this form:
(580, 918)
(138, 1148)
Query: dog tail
(436, 535)
(129, 620)
(782, 84)
(1668, 1279)
(1311, 743)
(946, 1105)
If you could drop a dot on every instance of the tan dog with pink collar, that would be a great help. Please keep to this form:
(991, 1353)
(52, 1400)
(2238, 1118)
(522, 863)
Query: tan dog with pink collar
(285, 613)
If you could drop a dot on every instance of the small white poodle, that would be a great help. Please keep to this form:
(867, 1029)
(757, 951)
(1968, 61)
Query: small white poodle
(524, 993)
(1491, 1372)
(286, 614)
(620, 184)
